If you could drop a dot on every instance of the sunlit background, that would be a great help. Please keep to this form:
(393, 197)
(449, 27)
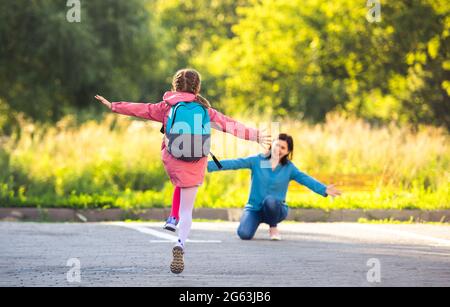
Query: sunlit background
(366, 101)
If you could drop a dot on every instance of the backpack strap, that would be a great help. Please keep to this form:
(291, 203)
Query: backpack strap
(162, 127)
(216, 161)
(175, 109)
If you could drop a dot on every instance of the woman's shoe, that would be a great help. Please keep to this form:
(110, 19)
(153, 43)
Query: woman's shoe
(177, 265)
(274, 234)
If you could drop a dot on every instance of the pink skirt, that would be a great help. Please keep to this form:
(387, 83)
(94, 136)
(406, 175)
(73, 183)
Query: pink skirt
(181, 173)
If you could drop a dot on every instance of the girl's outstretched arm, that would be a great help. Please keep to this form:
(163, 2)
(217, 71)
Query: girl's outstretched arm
(229, 164)
(226, 124)
(151, 111)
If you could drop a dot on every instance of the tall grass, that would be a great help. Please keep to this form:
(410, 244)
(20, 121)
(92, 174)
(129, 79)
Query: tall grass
(115, 162)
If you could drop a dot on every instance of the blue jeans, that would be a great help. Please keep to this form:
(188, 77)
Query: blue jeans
(272, 212)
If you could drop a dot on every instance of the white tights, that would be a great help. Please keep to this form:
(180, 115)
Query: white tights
(187, 199)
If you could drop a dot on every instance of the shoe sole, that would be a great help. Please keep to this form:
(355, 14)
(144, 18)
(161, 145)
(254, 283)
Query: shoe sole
(177, 265)
(169, 228)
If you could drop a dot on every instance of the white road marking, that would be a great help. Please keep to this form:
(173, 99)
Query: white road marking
(407, 234)
(167, 238)
(189, 241)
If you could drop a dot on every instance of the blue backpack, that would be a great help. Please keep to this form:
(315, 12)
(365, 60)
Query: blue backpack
(188, 132)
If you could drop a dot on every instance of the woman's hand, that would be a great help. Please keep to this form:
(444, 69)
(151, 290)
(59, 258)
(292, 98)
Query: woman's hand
(332, 191)
(103, 100)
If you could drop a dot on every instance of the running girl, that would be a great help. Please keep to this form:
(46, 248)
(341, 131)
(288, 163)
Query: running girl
(185, 176)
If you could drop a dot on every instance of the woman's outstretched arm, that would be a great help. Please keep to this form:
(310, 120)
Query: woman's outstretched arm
(314, 184)
(151, 111)
(309, 182)
(230, 164)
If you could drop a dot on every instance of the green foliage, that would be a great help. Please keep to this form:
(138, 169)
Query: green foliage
(306, 58)
(297, 58)
(50, 67)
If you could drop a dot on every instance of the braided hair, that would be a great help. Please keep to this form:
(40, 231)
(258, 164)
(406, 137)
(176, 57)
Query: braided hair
(189, 80)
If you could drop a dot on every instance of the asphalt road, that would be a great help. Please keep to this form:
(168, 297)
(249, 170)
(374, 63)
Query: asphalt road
(139, 254)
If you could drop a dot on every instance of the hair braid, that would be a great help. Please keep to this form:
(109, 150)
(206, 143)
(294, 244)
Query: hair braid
(189, 80)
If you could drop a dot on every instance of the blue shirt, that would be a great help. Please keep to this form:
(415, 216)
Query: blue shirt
(266, 182)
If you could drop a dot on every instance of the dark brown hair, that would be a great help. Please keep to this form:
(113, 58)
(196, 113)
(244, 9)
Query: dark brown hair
(290, 141)
(189, 80)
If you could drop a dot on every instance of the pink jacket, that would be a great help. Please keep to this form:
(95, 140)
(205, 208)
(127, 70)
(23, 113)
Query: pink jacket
(183, 174)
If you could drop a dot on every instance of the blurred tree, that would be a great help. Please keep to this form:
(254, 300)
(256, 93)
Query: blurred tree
(190, 31)
(49, 66)
(287, 57)
(306, 58)
(420, 59)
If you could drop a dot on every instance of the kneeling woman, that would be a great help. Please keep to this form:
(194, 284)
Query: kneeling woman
(271, 174)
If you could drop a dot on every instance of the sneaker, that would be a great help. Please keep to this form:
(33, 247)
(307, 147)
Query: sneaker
(177, 265)
(274, 234)
(171, 224)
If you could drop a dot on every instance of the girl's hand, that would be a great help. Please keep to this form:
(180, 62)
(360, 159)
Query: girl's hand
(264, 138)
(103, 100)
(332, 191)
